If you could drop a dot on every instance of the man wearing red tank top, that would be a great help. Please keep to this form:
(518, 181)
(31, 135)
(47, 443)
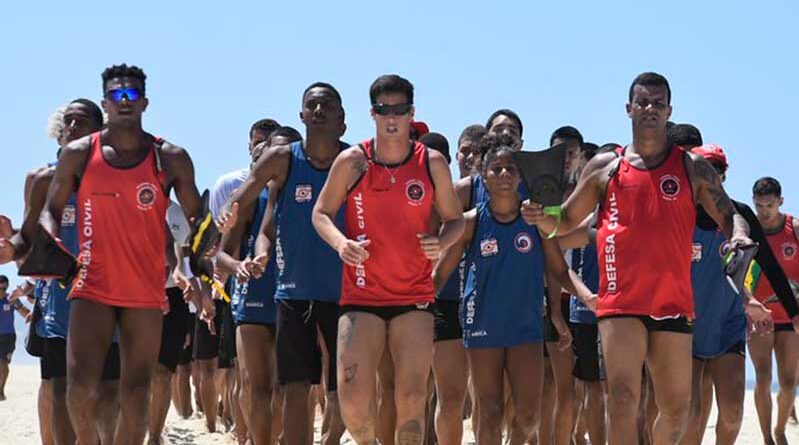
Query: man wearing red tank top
(782, 234)
(390, 185)
(645, 303)
(123, 177)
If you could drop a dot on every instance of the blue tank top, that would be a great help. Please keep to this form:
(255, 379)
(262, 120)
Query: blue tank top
(584, 262)
(307, 267)
(262, 290)
(6, 317)
(720, 319)
(503, 293)
(52, 297)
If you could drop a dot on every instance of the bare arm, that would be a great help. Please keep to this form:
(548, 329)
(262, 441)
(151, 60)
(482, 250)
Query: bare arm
(36, 185)
(580, 236)
(228, 260)
(463, 188)
(350, 165)
(268, 232)
(273, 165)
(451, 257)
(711, 196)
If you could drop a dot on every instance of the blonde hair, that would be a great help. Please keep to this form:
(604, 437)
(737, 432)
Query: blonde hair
(55, 123)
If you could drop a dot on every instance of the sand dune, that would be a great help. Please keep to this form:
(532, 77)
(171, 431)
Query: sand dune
(19, 424)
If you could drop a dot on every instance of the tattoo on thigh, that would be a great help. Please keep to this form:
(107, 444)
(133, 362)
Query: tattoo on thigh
(410, 433)
(349, 330)
(350, 372)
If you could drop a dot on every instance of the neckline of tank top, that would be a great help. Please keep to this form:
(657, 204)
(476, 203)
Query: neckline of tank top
(341, 147)
(653, 168)
(131, 167)
(494, 218)
(373, 144)
(777, 229)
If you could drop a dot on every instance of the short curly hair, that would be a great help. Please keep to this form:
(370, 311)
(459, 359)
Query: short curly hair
(124, 70)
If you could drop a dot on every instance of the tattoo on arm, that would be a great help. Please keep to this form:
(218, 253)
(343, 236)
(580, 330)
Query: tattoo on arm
(720, 206)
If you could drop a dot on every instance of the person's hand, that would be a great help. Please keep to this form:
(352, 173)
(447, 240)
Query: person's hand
(353, 253)
(564, 334)
(533, 214)
(740, 240)
(756, 311)
(431, 246)
(763, 327)
(206, 311)
(18, 292)
(244, 270)
(258, 265)
(591, 302)
(228, 219)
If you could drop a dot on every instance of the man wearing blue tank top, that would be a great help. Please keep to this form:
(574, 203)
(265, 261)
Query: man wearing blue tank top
(308, 281)
(8, 337)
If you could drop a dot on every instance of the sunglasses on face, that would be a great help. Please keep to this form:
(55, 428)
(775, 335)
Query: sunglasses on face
(131, 94)
(395, 110)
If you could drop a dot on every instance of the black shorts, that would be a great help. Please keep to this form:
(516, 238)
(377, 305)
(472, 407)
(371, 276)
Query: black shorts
(206, 345)
(682, 324)
(53, 363)
(447, 320)
(550, 333)
(299, 357)
(227, 337)
(175, 327)
(585, 344)
(185, 356)
(783, 327)
(8, 343)
(387, 313)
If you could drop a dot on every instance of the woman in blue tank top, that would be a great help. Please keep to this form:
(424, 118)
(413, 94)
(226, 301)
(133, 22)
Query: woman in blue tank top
(507, 263)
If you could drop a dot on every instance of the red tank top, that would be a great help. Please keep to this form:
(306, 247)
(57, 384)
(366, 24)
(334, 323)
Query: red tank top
(785, 248)
(390, 213)
(121, 216)
(644, 237)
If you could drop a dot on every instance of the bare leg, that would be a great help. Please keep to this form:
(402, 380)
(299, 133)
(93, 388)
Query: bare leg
(728, 372)
(760, 351)
(208, 396)
(410, 338)
(451, 374)
(182, 390)
(669, 362)
(91, 327)
(624, 348)
(159, 403)
(63, 434)
(44, 406)
(526, 374)
(487, 367)
(548, 402)
(386, 405)
(562, 366)
(786, 347)
(255, 349)
(108, 406)
(594, 413)
(140, 338)
(695, 430)
(361, 340)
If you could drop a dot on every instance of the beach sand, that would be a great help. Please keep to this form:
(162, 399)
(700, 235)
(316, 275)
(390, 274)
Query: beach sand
(19, 423)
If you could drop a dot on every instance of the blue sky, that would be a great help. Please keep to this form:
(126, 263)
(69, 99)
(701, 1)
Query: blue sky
(212, 71)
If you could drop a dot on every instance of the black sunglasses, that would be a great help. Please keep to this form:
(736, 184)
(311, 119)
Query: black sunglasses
(396, 110)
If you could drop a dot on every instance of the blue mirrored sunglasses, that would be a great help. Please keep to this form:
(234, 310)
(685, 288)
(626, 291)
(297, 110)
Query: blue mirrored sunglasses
(131, 94)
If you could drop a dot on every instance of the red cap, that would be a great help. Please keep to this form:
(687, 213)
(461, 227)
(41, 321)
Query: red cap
(711, 152)
(420, 127)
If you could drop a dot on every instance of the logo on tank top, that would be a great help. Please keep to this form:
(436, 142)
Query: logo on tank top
(68, 216)
(669, 187)
(696, 252)
(145, 195)
(414, 191)
(523, 242)
(788, 251)
(303, 193)
(724, 249)
(489, 247)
